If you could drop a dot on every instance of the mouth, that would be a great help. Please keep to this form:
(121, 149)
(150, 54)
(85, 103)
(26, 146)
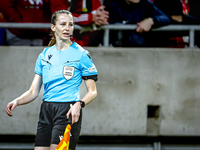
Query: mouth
(66, 34)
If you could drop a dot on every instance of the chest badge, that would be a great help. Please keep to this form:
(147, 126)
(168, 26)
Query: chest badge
(68, 72)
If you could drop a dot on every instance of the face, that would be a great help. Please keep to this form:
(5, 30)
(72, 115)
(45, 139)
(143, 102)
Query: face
(63, 27)
(133, 1)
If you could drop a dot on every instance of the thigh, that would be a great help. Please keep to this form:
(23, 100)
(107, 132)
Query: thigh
(44, 128)
(43, 136)
(58, 132)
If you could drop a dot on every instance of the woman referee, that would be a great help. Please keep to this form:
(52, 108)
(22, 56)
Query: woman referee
(60, 68)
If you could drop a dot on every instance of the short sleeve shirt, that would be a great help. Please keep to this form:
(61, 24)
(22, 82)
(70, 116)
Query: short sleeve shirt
(62, 72)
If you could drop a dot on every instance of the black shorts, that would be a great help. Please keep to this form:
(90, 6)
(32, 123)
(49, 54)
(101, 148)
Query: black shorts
(52, 123)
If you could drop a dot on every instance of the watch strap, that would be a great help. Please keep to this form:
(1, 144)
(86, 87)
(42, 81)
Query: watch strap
(82, 103)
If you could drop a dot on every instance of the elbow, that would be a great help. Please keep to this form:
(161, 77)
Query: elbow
(34, 94)
(161, 21)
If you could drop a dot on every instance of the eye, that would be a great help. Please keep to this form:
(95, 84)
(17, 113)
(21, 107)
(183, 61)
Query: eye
(71, 24)
(62, 24)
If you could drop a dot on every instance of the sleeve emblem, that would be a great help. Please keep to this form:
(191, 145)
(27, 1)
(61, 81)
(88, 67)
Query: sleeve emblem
(91, 69)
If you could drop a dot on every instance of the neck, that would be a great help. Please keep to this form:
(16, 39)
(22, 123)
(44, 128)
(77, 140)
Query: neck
(62, 45)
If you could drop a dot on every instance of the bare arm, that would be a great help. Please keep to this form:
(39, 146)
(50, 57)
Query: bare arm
(92, 91)
(88, 98)
(27, 97)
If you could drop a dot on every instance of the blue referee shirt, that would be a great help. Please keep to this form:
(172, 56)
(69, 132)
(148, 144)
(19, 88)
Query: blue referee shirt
(62, 72)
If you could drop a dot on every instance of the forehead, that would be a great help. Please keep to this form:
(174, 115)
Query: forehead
(64, 18)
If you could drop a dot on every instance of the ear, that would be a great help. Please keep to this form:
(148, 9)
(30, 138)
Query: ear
(52, 27)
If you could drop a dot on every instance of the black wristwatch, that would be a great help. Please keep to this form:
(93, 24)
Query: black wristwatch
(82, 103)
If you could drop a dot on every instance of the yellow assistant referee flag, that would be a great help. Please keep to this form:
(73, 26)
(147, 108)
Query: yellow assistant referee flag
(64, 143)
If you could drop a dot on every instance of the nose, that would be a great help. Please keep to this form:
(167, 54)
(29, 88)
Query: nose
(66, 27)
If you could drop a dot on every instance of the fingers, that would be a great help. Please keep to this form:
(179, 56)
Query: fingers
(143, 27)
(101, 7)
(68, 114)
(101, 16)
(103, 13)
(8, 109)
(74, 112)
(13, 107)
(75, 118)
(139, 29)
(100, 20)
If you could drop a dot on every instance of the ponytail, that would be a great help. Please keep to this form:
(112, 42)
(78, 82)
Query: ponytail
(52, 42)
(53, 38)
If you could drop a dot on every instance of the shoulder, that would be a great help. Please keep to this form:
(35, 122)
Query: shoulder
(78, 48)
(82, 53)
(47, 50)
(148, 6)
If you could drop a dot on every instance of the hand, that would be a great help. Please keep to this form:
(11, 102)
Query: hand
(177, 18)
(145, 25)
(10, 107)
(74, 112)
(101, 16)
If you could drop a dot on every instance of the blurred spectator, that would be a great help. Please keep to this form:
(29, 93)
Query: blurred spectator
(180, 11)
(2, 30)
(143, 13)
(26, 11)
(185, 12)
(87, 13)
